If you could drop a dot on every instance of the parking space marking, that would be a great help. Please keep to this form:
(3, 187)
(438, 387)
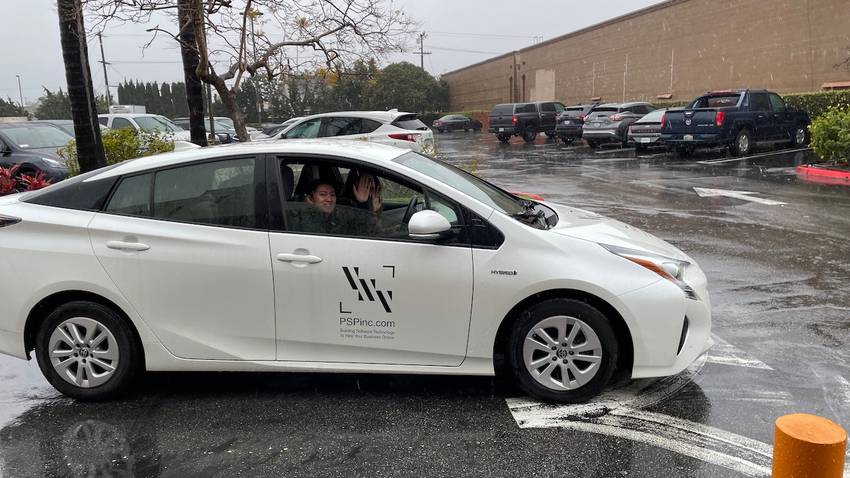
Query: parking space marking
(724, 353)
(742, 195)
(755, 156)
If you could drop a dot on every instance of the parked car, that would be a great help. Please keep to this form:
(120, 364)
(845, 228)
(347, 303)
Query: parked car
(456, 122)
(571, 120)
(211, 259)
(395, 128)
(32, 146)
(252, 132)
(738, 119)
(147, 123)
(610, 122)
(524, 119)
(646, 131)
(223, 133)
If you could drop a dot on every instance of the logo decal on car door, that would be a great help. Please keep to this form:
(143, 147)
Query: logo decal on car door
(367, 289)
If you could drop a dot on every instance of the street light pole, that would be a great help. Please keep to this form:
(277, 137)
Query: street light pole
(20, 91)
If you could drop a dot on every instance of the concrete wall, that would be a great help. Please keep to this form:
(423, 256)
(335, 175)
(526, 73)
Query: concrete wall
(683, 47)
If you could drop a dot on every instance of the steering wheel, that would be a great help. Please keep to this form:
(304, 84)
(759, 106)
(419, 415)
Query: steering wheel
(411, 209)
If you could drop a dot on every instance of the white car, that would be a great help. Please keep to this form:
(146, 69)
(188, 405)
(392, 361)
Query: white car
(148, 123)
(394, 128)
(259, 258)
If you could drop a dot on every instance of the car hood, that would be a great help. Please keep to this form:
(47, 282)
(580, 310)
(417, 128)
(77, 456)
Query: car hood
(47, 152)
(594, 227)
(183, 135)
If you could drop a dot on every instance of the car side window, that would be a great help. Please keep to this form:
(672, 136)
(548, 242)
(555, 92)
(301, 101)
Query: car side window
(341, 126)
(368, 126)
(307, 129)
(217, 193)
(346, 199)
(547, 107)
(103, 121)
(760, 102)
(132, 196)
(121, 123)
(777, 103)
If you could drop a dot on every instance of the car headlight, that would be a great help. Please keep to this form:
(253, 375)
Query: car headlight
(53, 163)
(667, 267)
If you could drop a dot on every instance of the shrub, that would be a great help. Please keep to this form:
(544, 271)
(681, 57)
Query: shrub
(817, 104)
(121, 145)
(831, 135)
(11, 182)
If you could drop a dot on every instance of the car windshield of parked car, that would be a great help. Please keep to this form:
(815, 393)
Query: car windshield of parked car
(37, 136)
(150, 124)
(653, 117)
(720, 101)
(409, 122)
(227, 122)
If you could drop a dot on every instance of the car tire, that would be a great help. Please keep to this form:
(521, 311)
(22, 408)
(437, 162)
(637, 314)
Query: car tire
(95, 368)
(567, 141)
(545, 345)
(504, 138)
(639, 148)
(684, 152)
(593, 144)
(529, 134)
(800, 136)
(743, 143)
(550, 135)
(440, 130)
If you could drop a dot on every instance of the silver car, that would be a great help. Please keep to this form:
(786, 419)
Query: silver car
(610, 122)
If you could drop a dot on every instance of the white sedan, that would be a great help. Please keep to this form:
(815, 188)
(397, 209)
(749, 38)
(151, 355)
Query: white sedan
(334, 256)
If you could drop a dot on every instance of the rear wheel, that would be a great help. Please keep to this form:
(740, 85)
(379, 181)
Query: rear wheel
(567, 141)
(87, 351)
(593, 144)
(743, 143)
(504, 138)
(684, 151)
(529, 134)
(562, 350)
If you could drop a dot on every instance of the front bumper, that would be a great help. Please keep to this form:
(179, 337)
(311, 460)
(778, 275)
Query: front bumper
(55, 174)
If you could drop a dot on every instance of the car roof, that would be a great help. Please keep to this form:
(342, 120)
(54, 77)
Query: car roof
(128, 115)
(381, 116)
(353, 149)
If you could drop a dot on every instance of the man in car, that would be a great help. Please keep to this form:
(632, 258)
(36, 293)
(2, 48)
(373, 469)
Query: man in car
(324, 217)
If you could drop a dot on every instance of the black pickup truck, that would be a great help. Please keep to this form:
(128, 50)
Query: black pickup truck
(739, 119)
(524, 119)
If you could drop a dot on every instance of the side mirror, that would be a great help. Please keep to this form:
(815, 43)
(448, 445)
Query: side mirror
(428, 225)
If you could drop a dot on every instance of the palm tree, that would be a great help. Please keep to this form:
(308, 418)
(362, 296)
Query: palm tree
(72, 33)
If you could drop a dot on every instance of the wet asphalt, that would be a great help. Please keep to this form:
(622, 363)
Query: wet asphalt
(779, 278)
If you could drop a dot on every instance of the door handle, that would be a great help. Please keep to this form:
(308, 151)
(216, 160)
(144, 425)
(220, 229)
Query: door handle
(305, 258)
(127, 246)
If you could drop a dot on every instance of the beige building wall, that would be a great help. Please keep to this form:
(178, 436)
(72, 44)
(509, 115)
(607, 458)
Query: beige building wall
(680, 47)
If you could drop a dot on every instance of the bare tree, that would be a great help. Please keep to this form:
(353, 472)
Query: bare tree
(194, 89)
(72, 34)
(239, 38)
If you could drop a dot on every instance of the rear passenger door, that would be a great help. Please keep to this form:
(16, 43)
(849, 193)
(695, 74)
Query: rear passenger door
(548, 116)
(765, 125)
(188, 247)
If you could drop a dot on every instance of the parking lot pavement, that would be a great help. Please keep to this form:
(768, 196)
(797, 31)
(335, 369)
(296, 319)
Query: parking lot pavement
(779, 278)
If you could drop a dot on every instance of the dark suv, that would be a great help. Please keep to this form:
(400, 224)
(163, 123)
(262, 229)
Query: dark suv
(524, 119)
(571, 120)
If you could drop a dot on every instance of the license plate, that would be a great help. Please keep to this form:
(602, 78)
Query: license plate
(501, 130)
(643, 140)
(567, 122)
(596, 125)
(689, 137)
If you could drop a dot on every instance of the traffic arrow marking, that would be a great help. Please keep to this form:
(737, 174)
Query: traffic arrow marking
(742, 195)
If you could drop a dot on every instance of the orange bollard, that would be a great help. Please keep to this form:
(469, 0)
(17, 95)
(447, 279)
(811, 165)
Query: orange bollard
(808, 446)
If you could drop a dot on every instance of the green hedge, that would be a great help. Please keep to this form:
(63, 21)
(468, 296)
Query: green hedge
(816, 104)
(831, 135)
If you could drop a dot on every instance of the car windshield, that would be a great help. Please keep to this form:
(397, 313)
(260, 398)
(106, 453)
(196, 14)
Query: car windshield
(227, 122)
(37, 136)
(528, 212)
(149, 124)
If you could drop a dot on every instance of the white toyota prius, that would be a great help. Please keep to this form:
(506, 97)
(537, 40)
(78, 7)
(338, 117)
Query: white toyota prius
(334, 256)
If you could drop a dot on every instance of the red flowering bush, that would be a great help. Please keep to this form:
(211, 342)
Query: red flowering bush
(11, 182)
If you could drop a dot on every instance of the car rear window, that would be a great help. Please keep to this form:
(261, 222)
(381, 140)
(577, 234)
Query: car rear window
(719, 101)
(75, 193)
(525, 108)
(409, 122)
(502, 110)
(603, 110)
(573, 112)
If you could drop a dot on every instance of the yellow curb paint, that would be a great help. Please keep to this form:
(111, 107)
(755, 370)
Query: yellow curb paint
(808, 446)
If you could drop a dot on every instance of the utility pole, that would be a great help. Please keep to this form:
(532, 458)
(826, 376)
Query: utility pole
(422, 51)
(20, 91)
(105, 78)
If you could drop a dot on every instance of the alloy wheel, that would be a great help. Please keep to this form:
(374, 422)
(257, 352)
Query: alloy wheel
(83, 352)
(562, 353)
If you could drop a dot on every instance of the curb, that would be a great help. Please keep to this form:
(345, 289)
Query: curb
(823, 175)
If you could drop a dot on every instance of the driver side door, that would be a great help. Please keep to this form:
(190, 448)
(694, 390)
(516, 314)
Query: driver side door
(373, 296)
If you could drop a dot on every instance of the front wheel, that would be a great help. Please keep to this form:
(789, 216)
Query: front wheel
(801, 137)
(567, 141)
(87, 351)
(563, 351)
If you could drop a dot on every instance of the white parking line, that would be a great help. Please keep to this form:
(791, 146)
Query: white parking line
(724, 353)
(763, 155)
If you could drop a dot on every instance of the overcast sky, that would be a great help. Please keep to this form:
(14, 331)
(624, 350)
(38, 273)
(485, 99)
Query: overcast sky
(460, 32)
